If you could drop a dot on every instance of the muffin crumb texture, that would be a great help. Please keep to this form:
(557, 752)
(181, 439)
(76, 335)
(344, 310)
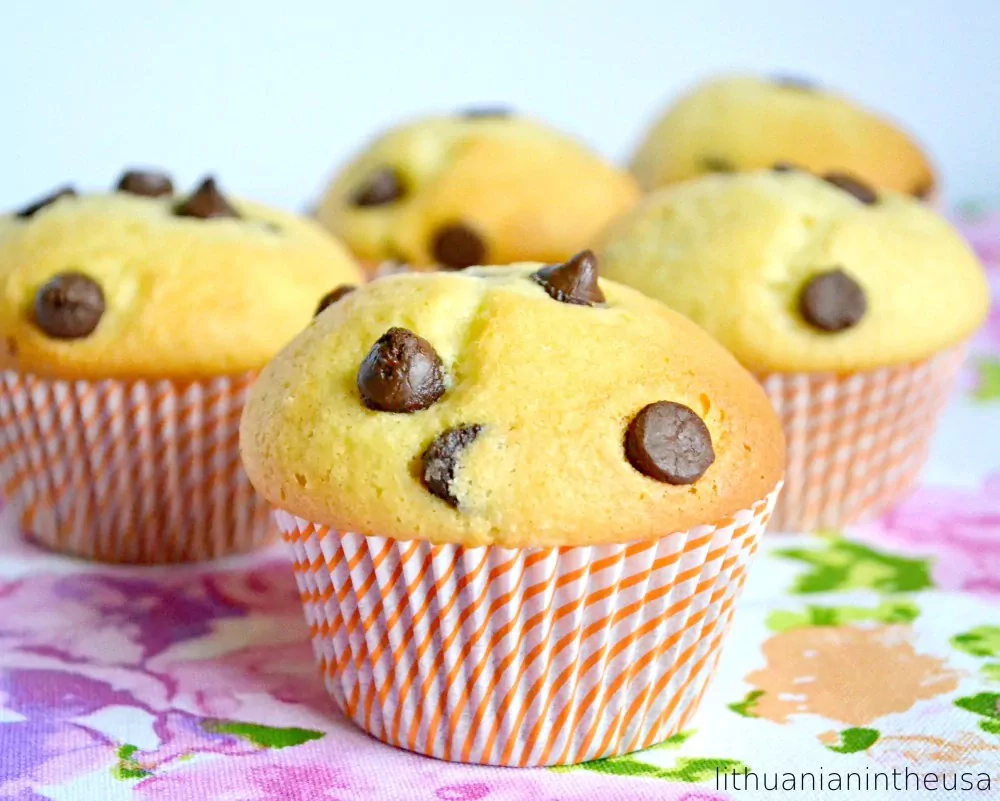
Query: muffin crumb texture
(143, 282)
(483, 187)
(482, 407)
(744, 123)
(794, 272)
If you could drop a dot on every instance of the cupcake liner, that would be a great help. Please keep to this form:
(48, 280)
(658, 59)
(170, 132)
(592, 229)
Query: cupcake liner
(130, 471)
(526, 657)
(856, 442)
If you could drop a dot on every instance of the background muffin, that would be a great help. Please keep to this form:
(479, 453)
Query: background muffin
(189, 285)
(479, 188)
(735, 124)
(522, 427)
(853, 300)
(132, 325)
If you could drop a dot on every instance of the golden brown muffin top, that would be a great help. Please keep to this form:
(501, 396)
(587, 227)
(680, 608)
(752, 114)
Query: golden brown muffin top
(486, 188)
(144, 283)
(744, 123)
(795, 273)
(523, 406)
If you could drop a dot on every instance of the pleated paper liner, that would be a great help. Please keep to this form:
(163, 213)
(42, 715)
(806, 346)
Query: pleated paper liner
(130, 471)
(856, 442)
(527, 657)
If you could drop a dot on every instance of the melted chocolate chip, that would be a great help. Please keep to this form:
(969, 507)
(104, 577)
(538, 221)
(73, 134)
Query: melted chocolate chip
(669, 442)
(785, 166)
(146, 183)
(401, 373)
(486, 112)
(832, 301)
(383, 187)
(717, 164)
(332, 297)
(69, 306)
(457, 246)
(852, 186)
(794, 82)
(48, 200)
(573, 282)
(206, 203)
(440, 460)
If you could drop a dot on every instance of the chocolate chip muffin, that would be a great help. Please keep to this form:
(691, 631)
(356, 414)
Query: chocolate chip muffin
(484, 187)
(522, 407)
(132, 324)
(526, 451)
(741, 123)
(142, 282)
(852, 304)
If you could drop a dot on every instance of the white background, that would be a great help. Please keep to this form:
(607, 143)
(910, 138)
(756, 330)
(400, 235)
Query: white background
(271, 95)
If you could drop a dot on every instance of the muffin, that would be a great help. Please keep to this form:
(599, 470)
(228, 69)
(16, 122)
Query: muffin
(521, 503)
(744, 123)
(852, 306)
(132, 324)
(479, 188)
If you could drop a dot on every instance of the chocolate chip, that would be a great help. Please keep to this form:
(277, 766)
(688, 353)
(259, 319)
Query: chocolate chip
(794, 82)
(146, 183)
(332, 297)
(383, 187)
(832, 301)
(785, 166)
(69, 306)
(923, 190)
(573, 282)
(48, 200)
(485, 112)
(401, 373)
(440, 460)
(457, 246)
(717, 164)
(206, 203)
(669, 442)
(852, 186)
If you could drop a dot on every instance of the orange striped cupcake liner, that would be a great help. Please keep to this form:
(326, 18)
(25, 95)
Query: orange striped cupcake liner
(856, 442)
(130, 471)
(521, 657)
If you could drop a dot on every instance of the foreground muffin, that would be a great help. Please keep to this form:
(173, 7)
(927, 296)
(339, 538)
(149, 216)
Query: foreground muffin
(851, 305)
(744, 123)
(132, 324)
(520, 451)
(480, 188)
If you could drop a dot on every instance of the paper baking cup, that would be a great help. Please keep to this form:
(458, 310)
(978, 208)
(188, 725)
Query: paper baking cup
(526, 657)
(856, 442)
(130, 471)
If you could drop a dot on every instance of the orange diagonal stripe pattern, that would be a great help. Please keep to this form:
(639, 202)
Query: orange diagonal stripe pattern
(525, 657)
(130, 471)
(856, 442)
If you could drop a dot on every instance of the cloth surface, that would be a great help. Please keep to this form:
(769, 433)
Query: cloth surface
(867, 659)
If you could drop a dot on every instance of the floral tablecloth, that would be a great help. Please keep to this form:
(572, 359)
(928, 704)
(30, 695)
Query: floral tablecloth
(862, 664)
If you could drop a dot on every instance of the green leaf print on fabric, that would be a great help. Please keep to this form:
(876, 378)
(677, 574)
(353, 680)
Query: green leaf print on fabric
(887, 612)
(980, 641)
(674, 741)
(128, 768)
(747, 706)
(843, 565)
(688, 769)
(986, 705)
(989, 380)
(262, 736)
(854, 740)
(991, 671)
